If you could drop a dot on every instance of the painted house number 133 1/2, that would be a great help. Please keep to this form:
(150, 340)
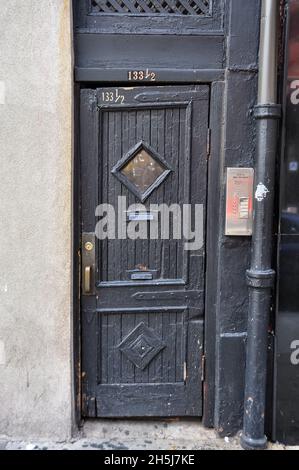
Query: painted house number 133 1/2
(113, 96)
(141, 75)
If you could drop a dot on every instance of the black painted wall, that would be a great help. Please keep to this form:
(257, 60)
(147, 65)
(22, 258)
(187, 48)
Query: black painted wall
(237, 148)
(222, 51)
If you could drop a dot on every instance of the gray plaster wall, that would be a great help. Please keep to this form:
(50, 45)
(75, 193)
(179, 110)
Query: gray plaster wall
(35, 218)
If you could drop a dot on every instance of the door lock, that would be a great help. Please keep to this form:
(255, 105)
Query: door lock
(88, 246)
(88, 263)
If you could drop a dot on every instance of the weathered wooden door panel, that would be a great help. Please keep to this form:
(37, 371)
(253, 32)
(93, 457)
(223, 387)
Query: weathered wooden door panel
(142, 330)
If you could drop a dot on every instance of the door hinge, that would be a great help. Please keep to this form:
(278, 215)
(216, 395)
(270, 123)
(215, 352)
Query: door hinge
(208, 143)
(203, 368)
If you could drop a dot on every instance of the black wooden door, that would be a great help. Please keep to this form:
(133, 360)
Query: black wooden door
(142, 319)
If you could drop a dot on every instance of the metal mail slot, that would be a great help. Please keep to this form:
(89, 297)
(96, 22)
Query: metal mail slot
(142, 276)
(239, 202)
(140, 216)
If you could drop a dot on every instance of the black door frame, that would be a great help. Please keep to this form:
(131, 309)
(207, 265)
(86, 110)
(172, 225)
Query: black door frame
(227, 61)
(213, 194)
(200, 107)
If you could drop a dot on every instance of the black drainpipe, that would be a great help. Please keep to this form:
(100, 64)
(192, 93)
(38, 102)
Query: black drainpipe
(260, 277)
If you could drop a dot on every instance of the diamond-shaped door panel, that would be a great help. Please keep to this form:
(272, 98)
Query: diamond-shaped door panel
(141, 170)
(141, 346)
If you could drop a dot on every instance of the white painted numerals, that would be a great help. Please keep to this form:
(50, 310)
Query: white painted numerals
(113, 96)
(141, 76)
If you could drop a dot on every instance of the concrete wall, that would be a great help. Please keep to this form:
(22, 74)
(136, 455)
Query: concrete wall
(35, 218)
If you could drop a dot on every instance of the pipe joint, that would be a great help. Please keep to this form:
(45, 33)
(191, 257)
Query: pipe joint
(267, 111)
(260, 279)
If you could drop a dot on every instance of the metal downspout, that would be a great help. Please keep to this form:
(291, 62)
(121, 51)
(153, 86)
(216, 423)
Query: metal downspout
(260, 277)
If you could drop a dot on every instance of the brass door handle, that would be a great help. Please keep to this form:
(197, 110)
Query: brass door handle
(88, 261)
(87, 279)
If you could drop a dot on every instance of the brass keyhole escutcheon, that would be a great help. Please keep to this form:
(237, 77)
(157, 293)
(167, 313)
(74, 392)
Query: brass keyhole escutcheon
(88, 246)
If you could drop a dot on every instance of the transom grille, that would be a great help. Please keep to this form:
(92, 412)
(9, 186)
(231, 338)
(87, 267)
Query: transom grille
(149, 7)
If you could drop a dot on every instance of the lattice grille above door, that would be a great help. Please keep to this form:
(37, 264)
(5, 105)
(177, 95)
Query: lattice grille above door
(152, 7)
